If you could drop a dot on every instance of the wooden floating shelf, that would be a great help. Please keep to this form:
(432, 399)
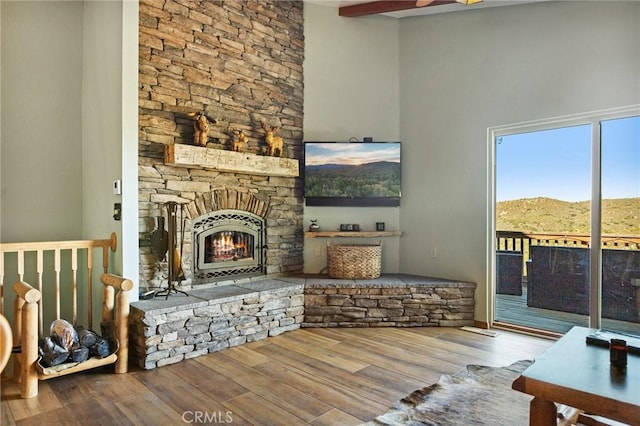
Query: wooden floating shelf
(352, 234)
(180, 155)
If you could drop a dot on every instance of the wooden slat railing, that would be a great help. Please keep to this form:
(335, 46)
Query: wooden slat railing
(521, 241)
(57, 248)
(56, 268)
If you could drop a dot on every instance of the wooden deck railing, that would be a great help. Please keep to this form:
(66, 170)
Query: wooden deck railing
(515, 241)
(521, 241)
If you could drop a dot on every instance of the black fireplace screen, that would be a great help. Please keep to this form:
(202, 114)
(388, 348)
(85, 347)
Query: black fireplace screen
(228, 243)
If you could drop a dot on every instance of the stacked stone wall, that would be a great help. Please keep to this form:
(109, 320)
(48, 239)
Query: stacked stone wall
(389, 302)
(164, 332)
(239, 62)
(167, 332)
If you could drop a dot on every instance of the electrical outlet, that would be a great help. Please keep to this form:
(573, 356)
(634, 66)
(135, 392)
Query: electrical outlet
(117, 211)
(317, 252)
(434, 252)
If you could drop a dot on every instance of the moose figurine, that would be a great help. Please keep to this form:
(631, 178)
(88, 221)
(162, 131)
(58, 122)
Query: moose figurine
(201, 127)
(274, 143)
(240, 139)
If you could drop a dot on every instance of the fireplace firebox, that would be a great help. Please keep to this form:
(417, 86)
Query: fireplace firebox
(227, 244)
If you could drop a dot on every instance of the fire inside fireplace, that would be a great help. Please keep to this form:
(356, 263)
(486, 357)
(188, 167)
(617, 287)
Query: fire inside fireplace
(228, 244)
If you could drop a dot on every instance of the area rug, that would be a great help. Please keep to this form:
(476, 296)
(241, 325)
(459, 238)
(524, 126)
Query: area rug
(479, 395)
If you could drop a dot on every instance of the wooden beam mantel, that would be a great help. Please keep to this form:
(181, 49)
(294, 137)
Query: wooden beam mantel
(384, 6)
(190, 156)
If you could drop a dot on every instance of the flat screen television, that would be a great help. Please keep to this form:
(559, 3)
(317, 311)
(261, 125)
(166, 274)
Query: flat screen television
(352, 173)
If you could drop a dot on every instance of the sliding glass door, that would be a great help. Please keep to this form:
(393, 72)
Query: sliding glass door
(566, 223)
(543, 210)
(620, 224)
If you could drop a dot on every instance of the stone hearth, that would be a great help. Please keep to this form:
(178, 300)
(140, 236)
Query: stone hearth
(167, 331)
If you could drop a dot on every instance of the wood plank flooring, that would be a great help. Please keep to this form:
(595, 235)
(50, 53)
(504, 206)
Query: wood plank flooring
(311, 376)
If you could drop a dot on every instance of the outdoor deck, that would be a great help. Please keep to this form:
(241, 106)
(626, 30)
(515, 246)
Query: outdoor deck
(514, 310)
(561, 280)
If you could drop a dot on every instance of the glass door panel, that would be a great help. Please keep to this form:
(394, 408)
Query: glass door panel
(620, 224)
(543, 193)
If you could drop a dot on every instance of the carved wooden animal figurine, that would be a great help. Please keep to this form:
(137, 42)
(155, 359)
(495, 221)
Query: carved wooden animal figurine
(201, 128)
(240, 139)
(274, 143)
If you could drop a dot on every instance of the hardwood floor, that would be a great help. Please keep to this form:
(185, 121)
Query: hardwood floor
(311, 376)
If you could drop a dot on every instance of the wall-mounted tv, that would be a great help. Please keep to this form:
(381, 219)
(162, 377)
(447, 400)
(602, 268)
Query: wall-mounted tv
(352, 173)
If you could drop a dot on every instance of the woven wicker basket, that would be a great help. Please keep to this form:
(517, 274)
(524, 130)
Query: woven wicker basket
(354, 261)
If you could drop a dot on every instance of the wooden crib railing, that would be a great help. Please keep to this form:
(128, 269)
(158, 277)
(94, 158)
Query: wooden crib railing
(28, 305)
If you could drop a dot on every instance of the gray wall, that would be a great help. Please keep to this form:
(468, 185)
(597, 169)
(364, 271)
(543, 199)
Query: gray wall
(459, 74)
(486, 68)
(62, 106)
(110, 127)
(63, 115)
(352, 89)
(41, 113)
(101, 118)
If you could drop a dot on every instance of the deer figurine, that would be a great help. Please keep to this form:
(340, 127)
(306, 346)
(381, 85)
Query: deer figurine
(201, 128)
(274, 143)
(239, 140)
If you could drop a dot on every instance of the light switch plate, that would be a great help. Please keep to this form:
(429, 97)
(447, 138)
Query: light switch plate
(117, 187)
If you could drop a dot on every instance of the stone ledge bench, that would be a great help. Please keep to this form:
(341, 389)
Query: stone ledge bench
(168, 330)
(393, 300)
(165, 331)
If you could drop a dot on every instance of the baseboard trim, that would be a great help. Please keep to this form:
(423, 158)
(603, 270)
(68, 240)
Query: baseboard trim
(481, 324)
(527, 330)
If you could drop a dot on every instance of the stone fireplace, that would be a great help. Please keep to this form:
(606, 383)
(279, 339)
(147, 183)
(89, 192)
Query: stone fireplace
(228, 236)
(240, 213)
(239, 62)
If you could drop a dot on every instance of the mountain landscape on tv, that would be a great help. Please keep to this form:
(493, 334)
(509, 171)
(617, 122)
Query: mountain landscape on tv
(376, 179)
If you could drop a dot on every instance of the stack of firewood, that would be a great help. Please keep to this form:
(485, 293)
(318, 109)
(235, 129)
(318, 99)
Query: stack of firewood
(71, 344)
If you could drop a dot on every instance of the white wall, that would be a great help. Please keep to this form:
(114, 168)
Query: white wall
(129, 141)
(464, 72)
(351, 90)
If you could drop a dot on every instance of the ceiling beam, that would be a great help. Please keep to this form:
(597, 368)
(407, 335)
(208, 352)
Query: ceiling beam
(384, 6)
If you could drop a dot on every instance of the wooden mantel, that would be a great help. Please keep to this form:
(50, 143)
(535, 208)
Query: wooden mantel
(190, 156)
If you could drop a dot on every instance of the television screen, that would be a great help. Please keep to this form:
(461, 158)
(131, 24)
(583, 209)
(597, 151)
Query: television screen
(352, 174)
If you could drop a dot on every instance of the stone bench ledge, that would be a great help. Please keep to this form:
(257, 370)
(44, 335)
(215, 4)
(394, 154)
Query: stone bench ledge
(392, 300)
(214, 295)
(385, 280)
(168, 330)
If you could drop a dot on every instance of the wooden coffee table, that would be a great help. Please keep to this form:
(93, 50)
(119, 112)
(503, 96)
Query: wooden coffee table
(579, 375)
